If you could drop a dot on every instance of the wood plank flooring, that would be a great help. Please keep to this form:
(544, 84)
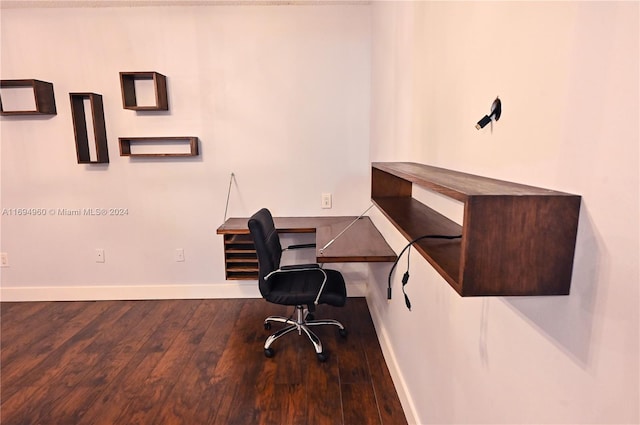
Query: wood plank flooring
(191, 362)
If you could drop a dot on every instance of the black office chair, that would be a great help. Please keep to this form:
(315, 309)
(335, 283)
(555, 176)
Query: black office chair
(303, 286)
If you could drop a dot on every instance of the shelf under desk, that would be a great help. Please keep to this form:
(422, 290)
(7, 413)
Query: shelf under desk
(362, 242)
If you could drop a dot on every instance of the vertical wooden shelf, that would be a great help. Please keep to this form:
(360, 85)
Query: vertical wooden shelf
(126, 142)
(45, 103)
(516, 239)
(80, 128)
(128, 88)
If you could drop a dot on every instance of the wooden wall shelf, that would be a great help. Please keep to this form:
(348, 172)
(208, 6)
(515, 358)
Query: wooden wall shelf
(128, 88)
(516, 239)
(127, 142)
(97, 125)
(45, 103)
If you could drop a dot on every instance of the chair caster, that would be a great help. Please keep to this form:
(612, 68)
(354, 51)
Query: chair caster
(310, 316)
(322, 357)
(268, 352)
(343, 332)
(267, 325)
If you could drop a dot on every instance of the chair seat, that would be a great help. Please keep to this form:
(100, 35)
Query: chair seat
(301, 288)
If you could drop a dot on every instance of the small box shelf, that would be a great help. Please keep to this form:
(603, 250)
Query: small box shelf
(516, 239)
(97, 126)
(44, 99)
(128, 87)
(127, 142)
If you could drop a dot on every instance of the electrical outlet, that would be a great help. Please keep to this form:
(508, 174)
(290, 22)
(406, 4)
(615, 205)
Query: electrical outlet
(179, 255)
(326, 200)
(4, 259)
(99, 255)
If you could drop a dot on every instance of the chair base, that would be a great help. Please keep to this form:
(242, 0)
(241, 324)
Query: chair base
(300, 324)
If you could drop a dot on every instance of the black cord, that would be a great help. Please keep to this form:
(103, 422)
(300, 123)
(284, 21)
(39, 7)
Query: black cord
(405, 277)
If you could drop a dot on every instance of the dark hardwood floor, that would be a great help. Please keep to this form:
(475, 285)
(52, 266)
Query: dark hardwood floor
(187, 362)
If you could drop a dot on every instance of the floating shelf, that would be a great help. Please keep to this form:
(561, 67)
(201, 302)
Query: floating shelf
(128, 87)
(44, 99)
(81, 132)
(516, 239)
(127, 142)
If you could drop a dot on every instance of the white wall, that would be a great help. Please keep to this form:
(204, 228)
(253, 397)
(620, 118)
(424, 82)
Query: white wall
(567, 73)
(278, 95)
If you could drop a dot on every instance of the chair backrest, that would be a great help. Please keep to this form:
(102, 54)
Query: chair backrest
(267, 243)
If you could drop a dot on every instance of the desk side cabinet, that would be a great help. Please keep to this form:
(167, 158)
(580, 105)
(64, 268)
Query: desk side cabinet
(516, 239)
(240, 258)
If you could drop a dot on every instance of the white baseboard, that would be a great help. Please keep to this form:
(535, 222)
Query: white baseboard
(392, 362)
(229, 289)
(128, 292)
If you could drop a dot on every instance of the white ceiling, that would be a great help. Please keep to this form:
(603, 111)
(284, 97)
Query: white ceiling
(15, 4)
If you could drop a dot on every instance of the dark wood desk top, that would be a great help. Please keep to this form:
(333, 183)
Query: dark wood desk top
(362, 242)
(239, 226)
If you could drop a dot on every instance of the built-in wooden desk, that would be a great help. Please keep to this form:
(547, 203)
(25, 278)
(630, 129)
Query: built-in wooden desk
(362, 242)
